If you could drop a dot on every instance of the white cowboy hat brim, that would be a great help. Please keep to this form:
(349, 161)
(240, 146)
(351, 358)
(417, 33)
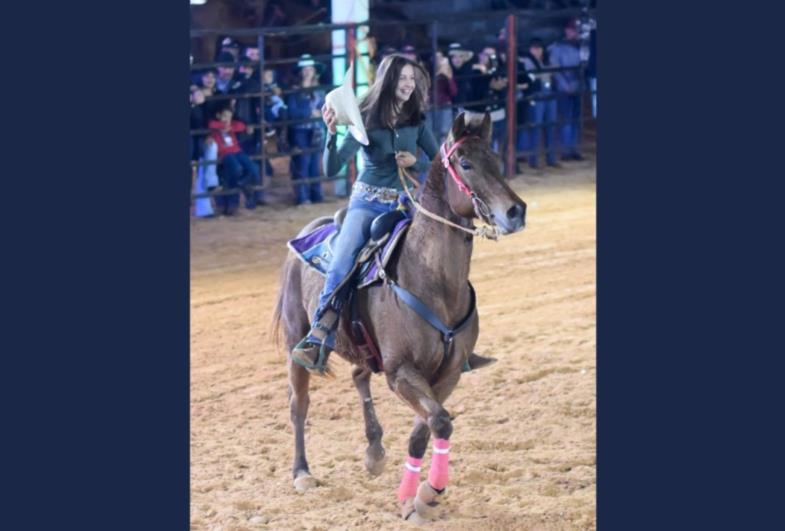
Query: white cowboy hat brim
(347, 112)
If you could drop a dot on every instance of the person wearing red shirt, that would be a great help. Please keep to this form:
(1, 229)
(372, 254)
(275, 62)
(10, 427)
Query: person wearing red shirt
(238, 168)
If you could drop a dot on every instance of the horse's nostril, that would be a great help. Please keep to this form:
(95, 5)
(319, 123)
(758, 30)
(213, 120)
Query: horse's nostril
(515, 212)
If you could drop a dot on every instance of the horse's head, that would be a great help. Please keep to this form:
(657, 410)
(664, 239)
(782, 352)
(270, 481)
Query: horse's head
(475, 185)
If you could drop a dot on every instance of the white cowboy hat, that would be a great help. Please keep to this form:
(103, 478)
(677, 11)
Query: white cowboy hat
(347, 112)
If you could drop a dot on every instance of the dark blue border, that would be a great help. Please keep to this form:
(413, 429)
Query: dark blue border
(96, 208)
(686, 225)
(95, 375)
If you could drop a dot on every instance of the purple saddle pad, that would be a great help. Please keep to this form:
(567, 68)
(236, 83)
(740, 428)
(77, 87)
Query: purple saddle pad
(315, 249)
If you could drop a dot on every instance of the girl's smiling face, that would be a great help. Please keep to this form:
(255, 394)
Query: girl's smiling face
(405, 87)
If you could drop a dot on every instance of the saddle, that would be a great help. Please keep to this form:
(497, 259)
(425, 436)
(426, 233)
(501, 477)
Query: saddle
(387, 230)
(315, 249)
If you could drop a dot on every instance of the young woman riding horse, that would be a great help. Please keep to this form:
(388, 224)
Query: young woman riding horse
(426, 291)
(393, 114)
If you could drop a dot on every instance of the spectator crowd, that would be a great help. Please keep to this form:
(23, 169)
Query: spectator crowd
(229, 101)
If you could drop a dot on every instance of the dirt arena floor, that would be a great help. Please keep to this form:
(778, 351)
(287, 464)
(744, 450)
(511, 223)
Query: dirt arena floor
(523, 447)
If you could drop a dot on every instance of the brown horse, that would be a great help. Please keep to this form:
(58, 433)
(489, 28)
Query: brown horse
(433, 264)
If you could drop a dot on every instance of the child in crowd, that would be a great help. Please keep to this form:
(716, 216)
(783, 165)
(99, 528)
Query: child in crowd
(238, 168)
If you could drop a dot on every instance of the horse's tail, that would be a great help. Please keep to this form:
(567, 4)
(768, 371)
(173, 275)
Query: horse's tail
(285, 284)
(275, 325)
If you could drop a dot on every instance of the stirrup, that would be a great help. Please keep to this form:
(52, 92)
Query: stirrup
(319, 368)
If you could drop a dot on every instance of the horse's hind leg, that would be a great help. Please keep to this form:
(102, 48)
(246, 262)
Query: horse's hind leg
(298, 409)
(295, 326)
(374, 454)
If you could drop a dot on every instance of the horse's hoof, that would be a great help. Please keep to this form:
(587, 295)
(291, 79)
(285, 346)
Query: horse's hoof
(409, 513)
(427, 500)
(304, 482)
(375, 459)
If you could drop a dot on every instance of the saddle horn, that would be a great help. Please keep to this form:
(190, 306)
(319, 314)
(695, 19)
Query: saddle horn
(347, 112)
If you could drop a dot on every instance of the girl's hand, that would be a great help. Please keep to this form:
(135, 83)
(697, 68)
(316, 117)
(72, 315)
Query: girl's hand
(404, 159)
(328, 115)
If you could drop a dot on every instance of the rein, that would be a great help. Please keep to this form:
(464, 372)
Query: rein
(490, 232)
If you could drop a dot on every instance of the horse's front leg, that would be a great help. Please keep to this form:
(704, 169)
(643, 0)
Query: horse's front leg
(418, 443)
(407, 490)
(374, 455)
(433, 419)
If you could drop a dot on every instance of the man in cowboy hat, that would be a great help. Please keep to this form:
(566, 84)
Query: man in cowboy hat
(226, 81)
(231, 46)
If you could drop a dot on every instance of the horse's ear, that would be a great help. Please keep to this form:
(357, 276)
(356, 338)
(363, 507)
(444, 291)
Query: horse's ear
(486, 129)
(459, 126)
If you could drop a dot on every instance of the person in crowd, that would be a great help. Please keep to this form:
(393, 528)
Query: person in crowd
(566, 53)
(446, 90)
(410, 52)
(274, 108)
(591, 67)
(231, 46)
(465, 72)
(198, 119)
(238, 169)
(493, 87)
(248, 109)
(307, 135)
(393, 115)
(540, 106)
(251, 53)
(204, 177)
(226, 81)
(206, 83)
(368, 64)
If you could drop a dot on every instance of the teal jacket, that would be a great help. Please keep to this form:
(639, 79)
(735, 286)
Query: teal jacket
(379, 167)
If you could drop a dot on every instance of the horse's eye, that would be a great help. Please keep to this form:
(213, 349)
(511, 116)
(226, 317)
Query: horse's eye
(465, 165)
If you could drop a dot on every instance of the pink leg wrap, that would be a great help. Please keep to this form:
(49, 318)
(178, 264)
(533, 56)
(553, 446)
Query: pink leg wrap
(410, 479)
(437, 477)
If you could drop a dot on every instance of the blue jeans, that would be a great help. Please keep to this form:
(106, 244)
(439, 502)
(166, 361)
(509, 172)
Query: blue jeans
(305, 166)
(570, 129)
(355, 232)
(242, 171)
(541, 115)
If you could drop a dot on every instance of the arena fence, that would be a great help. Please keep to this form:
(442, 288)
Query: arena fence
(510, 21)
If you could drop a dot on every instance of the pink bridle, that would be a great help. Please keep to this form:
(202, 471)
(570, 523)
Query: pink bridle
(480, 208)
(454, 174)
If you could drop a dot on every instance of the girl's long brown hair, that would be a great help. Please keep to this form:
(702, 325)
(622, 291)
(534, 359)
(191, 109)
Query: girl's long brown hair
(378, 105)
